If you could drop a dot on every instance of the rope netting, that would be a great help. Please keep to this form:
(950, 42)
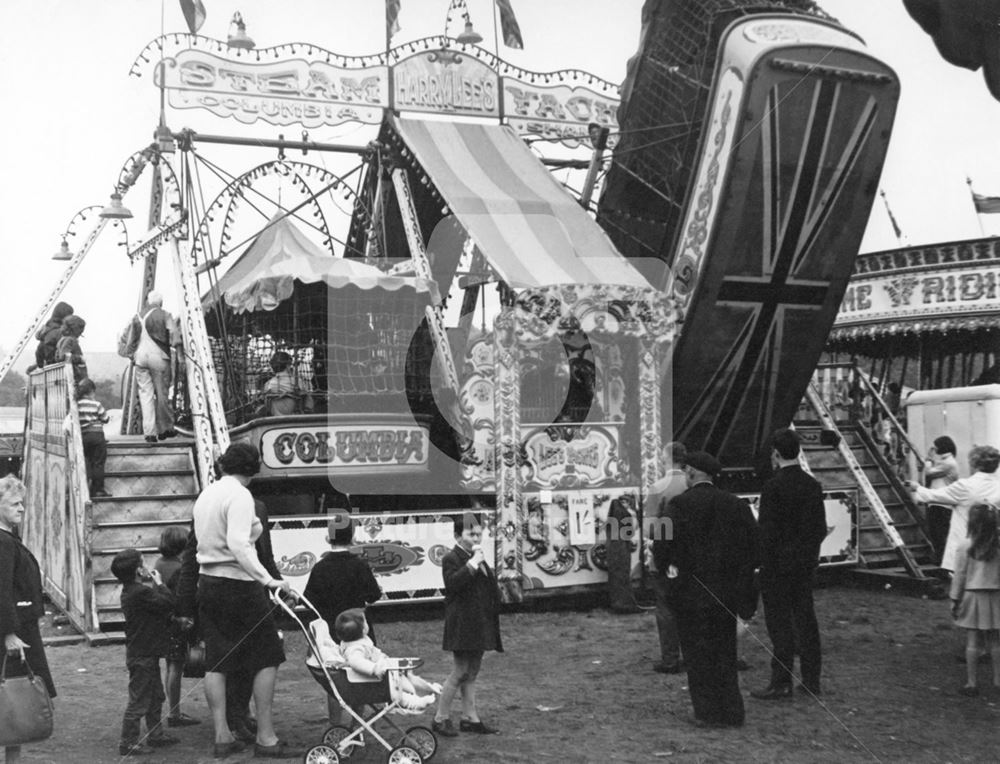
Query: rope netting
(662, 115)
(347, 350)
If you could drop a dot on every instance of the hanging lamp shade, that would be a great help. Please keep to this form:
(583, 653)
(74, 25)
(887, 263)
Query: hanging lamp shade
(63, 252)
(470, 36)
(240, 39)
(115, 209)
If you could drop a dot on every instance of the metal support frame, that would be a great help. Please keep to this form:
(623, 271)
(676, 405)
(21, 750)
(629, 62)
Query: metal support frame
(422, 267)
(208, 415)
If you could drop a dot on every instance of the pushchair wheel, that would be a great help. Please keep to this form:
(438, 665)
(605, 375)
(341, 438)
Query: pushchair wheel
(403, 754)
(334, 735)
(321, 754)
(422, 740)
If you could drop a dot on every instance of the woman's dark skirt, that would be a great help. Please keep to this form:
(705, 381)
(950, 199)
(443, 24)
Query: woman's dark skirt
(237, 624)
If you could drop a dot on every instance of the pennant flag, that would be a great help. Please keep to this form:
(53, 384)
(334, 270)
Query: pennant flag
(986, 205)
(391, 18)
(194, 14)
(508, 24)
(892, 218)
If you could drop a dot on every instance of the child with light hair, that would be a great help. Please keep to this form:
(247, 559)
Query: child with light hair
(366, 663)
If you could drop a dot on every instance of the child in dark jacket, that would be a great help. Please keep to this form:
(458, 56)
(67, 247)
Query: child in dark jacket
(69, 344)
(147, 610)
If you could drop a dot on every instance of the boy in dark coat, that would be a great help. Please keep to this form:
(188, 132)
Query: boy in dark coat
(147, 610)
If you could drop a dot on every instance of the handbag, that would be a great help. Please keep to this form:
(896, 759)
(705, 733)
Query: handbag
(25, 708)
(194, 661)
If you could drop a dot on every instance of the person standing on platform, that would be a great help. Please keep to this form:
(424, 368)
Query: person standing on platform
(152, 369)
(711, 559)
(69, 345)
(672, 484)
(619, 531)
(940, 470)
(48, 336)
(792, 526)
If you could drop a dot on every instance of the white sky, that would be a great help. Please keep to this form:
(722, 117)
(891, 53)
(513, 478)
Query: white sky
(73, 116)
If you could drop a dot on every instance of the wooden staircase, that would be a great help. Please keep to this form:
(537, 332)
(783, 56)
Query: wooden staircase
(830, 468)
(153, 486)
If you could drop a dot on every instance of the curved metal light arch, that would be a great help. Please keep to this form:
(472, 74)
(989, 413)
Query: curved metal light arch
(230, 195)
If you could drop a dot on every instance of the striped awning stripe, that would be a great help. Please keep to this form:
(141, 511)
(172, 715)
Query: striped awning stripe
(527, 226)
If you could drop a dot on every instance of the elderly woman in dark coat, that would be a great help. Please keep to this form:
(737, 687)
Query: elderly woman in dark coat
(20, 596)
(471, 625)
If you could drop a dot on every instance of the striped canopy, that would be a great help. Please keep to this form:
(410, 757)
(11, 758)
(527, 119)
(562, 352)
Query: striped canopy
(528, 227)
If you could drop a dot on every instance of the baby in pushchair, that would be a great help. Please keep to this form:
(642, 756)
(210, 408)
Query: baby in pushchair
(366, 663)
(367, 678)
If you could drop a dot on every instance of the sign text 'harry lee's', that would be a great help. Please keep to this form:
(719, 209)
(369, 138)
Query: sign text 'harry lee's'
(344, 447)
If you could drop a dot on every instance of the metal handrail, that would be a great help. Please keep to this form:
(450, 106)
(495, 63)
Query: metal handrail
(900, 430)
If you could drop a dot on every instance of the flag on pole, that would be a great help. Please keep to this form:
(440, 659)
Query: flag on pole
(391, 18)
(985, 205)
(194, 14)
(892, 218)
(508, 25)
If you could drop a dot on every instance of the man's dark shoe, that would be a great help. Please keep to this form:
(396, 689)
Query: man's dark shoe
(467, 725)
(813, 688)
(222, 750)
(668, 668)
(773, 692)
(445, 728)
(280, 750)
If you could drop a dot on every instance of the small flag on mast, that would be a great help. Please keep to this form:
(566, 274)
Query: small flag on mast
(194, 14)
(508, 25)
(391, 18)
(985, 205)
(892, 218)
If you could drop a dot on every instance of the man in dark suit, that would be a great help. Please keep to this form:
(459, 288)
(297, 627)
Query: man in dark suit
(710, 558)
(792, 528)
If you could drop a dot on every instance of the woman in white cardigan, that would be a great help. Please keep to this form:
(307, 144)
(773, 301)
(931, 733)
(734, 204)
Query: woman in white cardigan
(981, 487)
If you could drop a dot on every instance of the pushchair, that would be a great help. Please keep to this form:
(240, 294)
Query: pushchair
(414, 745)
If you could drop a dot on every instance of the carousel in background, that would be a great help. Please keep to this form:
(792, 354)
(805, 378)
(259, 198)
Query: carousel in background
(923, 317)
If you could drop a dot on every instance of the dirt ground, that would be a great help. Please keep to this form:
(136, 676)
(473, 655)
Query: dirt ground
(576, 686)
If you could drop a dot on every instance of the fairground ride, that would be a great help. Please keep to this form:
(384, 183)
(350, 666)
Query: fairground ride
(416, 392)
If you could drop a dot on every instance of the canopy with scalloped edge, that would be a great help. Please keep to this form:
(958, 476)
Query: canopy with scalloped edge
(265, 273)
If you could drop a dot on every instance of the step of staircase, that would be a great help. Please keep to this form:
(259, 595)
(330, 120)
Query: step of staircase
(154, 486)
(829, 467)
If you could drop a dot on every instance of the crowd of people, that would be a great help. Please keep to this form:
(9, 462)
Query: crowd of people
(210, 587)
(711, 562)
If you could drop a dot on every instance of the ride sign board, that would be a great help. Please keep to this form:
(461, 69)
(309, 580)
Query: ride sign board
(340, 448)
(446, 82)
(948, 291)
(283, 92)
(442, 81)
